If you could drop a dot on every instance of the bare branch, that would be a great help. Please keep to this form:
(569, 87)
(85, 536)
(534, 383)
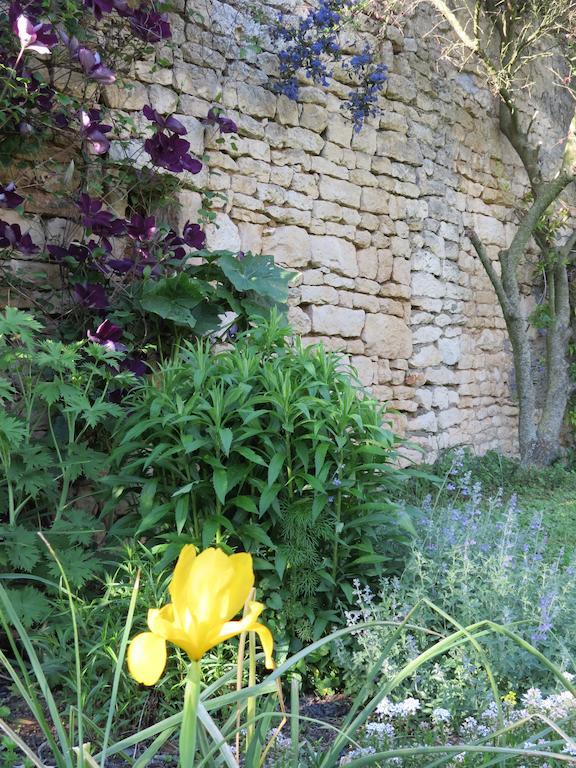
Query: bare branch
(490, 271)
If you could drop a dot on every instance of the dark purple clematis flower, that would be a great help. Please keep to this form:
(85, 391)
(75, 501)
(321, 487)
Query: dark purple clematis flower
(140, 228)
(171, 152)
(11, 237)
(33, 37)
(193, 235)
(94, 131)
(165, 123)
(108, 335)
(91, 295)
(9, 198)
(80, 252)
(100, 222)
(224, 124)
(121, 266)
(99, 7)
(136, 365)
(93, 67)
(149, 25)
(30, 8)
(172, 244)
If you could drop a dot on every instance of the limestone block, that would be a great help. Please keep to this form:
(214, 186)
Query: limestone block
(400, 88)
(337, 321)
(164, 100)
(339, 191)
(427, 285)
(426, 356)
(223, 234)
(373, 200)
(489, 230)
(337, 281)
(299, 320)
(450, 350)
(199, 55)
(385, 263)
(198, 81)
(314, 117)
(424, 261)
(397, 147)
(336, 254)
(339, 131)
(255, 101)
(387, 336)
(244, 184)
(286, 111)
(365, 140)
(281, 176)
(129, 96)
(401, 271)
(189, 205)
(364, 301)
(319, 294)
(149, 72)
(368, 263)
(426, 334)
(250, 237)
(289, 216)
(289, 245)
(300, 138)
(365, 368)
(427, 422)
(449, 418)
(327, 211)
(305, 183)
(363, 285)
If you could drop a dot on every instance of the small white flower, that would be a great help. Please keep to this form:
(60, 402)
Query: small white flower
(381, 730)
(408, 707)
(440, 715)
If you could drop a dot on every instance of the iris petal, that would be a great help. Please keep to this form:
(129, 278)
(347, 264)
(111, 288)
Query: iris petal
(147, 658)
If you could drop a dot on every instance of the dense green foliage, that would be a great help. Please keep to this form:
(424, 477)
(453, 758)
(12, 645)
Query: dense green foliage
(273, 448)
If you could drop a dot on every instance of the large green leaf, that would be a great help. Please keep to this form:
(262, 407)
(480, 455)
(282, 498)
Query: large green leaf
(258, 274)
(173, 298)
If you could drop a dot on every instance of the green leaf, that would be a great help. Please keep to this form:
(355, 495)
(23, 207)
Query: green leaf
(258, 274)
(220, 483)
(246, 503)
(226, 437)
(31, 606)
(21, 547)
(275, 467)
(181, 513)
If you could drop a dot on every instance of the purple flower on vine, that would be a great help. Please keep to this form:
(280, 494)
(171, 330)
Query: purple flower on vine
(92, 65)
(193, 235)
(224, 124)
(8, 197)
(135, 365)
(33, 37)
(169, 123)
(171, 152)
(91, 295)
(172, 244)
(141, 228)
(149, 25)
(99, 7)
(78, 252)
(11, 237)
(99, 222)
(108, 335)
(93, 131)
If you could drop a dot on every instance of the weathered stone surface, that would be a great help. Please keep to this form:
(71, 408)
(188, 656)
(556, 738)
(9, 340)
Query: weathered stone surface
(340, 191)
(336, 254)
(387, 337)
(337, 321)
(290, 246)
(223, 234)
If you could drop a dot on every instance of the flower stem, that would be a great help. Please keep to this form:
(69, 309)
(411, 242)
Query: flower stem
(190, 716)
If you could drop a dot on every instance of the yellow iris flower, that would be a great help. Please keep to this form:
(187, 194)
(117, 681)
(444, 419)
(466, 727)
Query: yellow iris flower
(207, 591)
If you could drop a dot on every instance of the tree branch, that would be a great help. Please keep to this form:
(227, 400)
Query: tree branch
(490, 271)
(547, 194)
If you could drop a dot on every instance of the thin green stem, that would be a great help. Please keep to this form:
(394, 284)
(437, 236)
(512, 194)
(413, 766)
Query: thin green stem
(190, 716)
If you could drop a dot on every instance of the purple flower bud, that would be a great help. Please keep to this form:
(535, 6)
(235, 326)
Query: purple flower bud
(9, 198)
(98, 221)
(224, 124)
(93, 131)
(34, 37)
(140, 228)
(171, 152)
(93, 67)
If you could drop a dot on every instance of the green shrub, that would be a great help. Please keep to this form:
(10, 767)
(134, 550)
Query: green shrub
(54, 408)
(273, 448)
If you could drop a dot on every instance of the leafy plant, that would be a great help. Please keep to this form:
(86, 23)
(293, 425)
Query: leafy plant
(272, 448)
(55, 411)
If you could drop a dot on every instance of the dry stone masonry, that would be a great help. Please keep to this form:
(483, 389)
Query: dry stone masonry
(374, 222)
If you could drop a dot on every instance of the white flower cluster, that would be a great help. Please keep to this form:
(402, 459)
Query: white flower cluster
(355, 753)
(557, 706)
(440, 715)
(381, 730)
(402, 709)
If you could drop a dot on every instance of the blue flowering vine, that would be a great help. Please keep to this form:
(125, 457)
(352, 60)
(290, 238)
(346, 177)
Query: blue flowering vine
(311, 46)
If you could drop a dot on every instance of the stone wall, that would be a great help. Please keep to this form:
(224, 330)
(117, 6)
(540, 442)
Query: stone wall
(374, 222)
